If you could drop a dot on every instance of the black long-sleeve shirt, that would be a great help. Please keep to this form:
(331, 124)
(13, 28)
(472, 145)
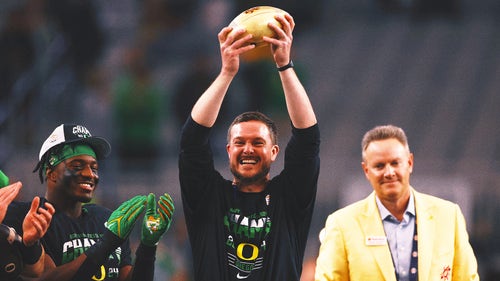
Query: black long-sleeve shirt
(252, 236)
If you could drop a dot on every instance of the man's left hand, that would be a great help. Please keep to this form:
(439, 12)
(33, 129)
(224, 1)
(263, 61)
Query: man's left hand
(157, 220)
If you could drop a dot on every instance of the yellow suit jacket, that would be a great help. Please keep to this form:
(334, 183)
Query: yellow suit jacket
(353, 245)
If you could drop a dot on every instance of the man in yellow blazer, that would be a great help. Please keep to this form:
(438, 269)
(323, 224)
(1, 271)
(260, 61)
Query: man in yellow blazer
(396, 233)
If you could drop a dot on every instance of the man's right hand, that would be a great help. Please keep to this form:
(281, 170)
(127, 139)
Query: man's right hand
(232, 44)
(122, 220)
(37, 221)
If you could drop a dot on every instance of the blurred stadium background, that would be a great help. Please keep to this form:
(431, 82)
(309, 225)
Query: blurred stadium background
(130, 69)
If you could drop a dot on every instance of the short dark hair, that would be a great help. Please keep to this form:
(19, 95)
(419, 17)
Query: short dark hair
(255, 116)
(383, 132)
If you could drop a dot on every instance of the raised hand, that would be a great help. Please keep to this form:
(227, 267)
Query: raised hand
(122, 220)
(282, 44)
(37, 221)
(7, 194)
(157, 220)
(232, 43)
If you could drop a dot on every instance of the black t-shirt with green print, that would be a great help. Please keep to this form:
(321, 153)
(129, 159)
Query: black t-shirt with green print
(248, 236)
(68, 238)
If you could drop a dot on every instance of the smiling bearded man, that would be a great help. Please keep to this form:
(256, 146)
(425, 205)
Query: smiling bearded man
(255, 226)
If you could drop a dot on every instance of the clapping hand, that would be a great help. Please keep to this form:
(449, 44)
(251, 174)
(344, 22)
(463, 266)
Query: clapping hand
(37, 221)
(157, 220)
(122, 220)
(7, 194)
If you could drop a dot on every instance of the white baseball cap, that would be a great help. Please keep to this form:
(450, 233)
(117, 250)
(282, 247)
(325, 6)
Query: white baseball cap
(71, 133)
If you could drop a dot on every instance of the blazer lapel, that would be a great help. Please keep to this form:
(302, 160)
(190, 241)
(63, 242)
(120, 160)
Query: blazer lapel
(426, 225)
(373, 228)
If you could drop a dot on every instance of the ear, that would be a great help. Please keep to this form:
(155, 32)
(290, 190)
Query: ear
(274, 152)
(410, 163)
(364, 166)
(50, 175)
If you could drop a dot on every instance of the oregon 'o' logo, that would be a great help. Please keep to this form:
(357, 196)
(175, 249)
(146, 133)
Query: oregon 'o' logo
(247, 252)
(10, 267)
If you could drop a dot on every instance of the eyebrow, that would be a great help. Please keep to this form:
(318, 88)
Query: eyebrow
(80, 161)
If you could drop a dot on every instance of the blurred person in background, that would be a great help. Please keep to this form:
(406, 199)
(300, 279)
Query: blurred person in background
(138, 108)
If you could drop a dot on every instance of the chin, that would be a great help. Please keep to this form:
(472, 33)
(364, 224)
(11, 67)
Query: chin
(85, 199)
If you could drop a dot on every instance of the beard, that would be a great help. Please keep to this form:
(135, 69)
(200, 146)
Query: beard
(259, 176)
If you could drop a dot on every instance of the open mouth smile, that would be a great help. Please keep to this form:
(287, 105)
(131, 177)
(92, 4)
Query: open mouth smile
(86, 186)
(248, 161)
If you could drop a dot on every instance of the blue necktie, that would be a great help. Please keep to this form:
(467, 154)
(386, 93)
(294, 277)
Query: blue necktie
(414, 256)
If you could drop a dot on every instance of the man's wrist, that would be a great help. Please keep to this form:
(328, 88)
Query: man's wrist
(100, 251)
(286, 66)
(146, 251)
(31, 254)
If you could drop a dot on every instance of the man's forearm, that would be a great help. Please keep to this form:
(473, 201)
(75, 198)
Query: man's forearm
(63, 272)
(298, 104)
(144, 266)
(206, 109)
(34, 265)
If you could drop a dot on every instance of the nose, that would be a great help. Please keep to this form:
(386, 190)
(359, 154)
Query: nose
(389, 171)
(248, 148)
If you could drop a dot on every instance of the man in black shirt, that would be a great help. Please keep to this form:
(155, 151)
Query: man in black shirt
(251, 227)
(86, 241)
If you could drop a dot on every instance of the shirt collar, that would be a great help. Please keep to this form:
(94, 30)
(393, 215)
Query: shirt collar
(384, 213)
